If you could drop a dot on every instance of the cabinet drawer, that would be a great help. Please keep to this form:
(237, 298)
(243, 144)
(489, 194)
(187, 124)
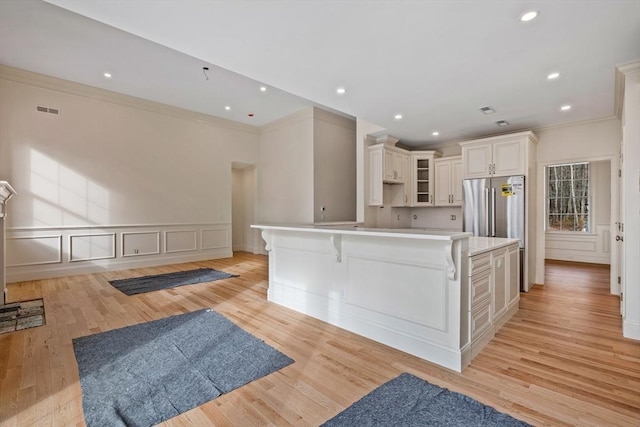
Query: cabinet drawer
(480, 287)
(480, 319)
(478, 263)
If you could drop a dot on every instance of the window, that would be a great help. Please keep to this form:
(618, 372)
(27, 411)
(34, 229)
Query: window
(568, 203)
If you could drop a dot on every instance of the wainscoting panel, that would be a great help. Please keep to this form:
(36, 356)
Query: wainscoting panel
(594, 248)
(44, 252)
(138, 243)
(377, 284)
(215, 238)
(89, 247)
(33, 250)
(180, 241)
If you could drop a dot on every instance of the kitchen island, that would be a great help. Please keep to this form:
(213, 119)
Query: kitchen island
(407, 288)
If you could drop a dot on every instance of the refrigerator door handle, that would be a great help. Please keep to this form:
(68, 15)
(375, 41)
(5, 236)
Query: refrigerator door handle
(486, 212)
(493, 211)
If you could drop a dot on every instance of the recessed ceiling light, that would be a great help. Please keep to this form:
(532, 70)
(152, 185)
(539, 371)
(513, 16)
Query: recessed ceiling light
(529, 16)
(553, 76)
(263, 88)
(227, 108)
(398, 116)
(107, 75)
(341, 91)
(565, 107)
(435, 133)
(502, 123)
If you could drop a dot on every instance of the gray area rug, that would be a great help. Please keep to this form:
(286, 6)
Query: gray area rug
(410, 401)
(139, 285)
(144, 374)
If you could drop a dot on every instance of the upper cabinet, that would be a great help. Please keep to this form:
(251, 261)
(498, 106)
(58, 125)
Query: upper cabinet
(422, 178)
(503, 155)
(448, 181)
(388, 165)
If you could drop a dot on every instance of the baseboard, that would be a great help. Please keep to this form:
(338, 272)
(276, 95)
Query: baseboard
(631, 330)
(98, 266)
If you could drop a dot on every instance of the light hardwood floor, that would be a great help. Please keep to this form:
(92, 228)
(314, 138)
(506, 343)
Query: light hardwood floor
(561, 360)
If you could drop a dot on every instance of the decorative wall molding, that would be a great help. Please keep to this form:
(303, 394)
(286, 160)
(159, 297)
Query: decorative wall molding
(94, 246)
(215, 238)
(46, 252)
(183, 241)
(593, 248)
(138, 243)
(33, 250)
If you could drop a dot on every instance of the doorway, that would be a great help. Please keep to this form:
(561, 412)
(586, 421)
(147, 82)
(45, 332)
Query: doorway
(243, 207)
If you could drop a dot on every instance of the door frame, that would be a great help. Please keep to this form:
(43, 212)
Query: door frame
(614, 161)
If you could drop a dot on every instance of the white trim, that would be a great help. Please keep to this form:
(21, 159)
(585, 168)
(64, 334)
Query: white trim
(110, 226)
(631, 330)
(58, 261)
(195, 241)
(71, 236)
(127, 233)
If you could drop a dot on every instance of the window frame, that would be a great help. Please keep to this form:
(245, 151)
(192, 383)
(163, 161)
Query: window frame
(589, 200)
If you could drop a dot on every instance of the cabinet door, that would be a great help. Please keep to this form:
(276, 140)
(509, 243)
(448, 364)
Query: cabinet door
(477, 159)
(513, 253)
(500, 291)
(388, 166)
(509, 158)
(442, 177)
(375, 177)
(398, 166)
(407, 180)
(456, 182)
(422, 191)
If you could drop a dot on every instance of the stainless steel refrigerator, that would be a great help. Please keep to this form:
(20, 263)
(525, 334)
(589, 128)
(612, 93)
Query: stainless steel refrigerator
(495, 207)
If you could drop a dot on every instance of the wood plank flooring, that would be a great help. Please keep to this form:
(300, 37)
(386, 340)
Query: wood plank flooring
(561, 360)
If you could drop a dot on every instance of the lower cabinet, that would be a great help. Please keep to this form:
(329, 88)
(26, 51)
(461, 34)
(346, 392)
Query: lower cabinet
(494, 293)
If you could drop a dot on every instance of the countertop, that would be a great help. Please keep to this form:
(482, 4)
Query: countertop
(478, 245)
(407, 233)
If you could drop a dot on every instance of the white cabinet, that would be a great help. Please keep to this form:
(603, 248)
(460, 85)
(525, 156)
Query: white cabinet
(499, 286)
(387, 165)
(503, 155)
(394, 166)
(448, 181)
(422, 177)
(494, 292)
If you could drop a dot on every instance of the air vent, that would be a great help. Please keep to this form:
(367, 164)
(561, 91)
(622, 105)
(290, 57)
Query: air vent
(502, 123)
(49, 110)
(487, 110)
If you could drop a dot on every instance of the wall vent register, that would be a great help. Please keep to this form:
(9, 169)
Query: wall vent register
(50, 110)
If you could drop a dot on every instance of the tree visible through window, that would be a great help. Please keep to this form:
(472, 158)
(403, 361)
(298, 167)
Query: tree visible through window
(568, 197)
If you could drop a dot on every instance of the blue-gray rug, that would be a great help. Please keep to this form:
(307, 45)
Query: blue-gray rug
(410, 401)
(138, 285)
(144, 374)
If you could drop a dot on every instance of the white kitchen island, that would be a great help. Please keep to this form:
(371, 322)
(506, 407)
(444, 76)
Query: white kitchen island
(407, 288)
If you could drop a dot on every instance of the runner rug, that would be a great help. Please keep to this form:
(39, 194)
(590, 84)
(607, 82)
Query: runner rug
(410, 401)
(138, 285)
(145, 374)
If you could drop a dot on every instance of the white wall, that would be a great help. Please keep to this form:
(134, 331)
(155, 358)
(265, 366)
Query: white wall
(285, 172)
(334, 164)
(111, 172)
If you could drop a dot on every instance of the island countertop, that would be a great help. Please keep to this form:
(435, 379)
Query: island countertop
(409, 233)
(478, 245)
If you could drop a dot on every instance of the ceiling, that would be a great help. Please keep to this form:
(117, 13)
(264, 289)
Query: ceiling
(434, 62)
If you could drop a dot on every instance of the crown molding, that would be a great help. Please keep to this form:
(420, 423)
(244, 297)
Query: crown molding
(302, 115)
(621, 71)
(66, 86)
